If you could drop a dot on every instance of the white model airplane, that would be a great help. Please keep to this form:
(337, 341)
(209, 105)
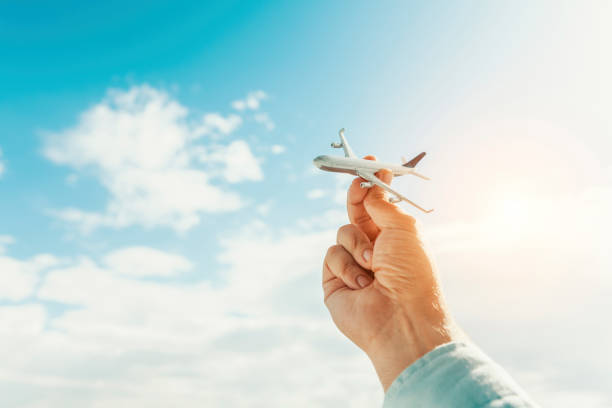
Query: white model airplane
(366, 169)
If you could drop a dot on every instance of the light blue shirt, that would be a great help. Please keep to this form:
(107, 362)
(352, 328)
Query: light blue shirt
(455, 375)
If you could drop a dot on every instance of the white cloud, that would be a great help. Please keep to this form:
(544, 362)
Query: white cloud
(315, 194)
(277, 149)
(19, 278)
(214, 122)
(22, 320)
(343, 182)
(264, 119)
(140, 145)
(237, 161)
(150, 198)
(125, 341)
(325, 220)
(340, 181)
(530, 259)
(263, 209)
(505, 271)
(5, 240)
(265, 318)
(280, 257)
(145, 261)
(252, 101)
(141, 128)
(514, 219)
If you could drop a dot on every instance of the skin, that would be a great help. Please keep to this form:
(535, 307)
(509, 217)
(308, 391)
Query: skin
(380, 285)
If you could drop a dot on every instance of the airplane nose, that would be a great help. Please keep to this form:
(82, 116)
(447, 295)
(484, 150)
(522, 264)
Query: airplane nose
(318, 161)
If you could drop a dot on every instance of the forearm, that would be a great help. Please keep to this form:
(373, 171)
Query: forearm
(407, 337)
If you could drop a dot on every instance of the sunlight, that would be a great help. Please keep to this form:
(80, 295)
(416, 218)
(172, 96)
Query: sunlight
(509, 216)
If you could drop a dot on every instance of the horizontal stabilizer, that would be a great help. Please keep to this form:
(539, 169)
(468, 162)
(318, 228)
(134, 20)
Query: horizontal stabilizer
(412, 163)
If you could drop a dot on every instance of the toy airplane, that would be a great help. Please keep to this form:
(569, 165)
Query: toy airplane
(366, 169)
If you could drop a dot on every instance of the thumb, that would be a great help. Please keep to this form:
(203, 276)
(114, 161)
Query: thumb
(384, 213)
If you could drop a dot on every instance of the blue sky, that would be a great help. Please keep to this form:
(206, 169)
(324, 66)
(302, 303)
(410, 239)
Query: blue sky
(319, 65)
(211, 203)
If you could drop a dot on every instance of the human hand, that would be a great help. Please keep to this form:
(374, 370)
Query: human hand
(380, 285)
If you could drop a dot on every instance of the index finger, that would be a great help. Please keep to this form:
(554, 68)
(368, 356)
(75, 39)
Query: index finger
(356, 211)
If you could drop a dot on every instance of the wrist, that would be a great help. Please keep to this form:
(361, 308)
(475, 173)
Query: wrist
(407, 337)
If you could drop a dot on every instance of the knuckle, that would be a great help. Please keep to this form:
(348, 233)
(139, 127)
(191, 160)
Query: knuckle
(362, 219)
(346, 236)
(410, 220)
(326, 295)
(332, 251)
(324, 282)
(328, 253)
(349, 269)
(341, 231)
(406, 220)
(373, 198)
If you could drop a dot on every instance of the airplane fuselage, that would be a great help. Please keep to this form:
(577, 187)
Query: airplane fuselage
(350, 165)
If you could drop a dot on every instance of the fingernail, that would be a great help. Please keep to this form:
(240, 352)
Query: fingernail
(363, 281)
(367, 255)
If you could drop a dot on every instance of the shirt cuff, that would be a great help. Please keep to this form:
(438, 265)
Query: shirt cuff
(455, 375)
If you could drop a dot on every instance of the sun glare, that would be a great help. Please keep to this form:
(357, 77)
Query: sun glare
(509, 214)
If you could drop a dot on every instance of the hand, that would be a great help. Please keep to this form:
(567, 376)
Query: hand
(380, 286)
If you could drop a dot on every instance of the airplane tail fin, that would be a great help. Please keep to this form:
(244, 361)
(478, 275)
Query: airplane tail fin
(412, 163)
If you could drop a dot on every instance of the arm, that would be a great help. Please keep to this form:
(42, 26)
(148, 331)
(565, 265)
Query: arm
(382, 291)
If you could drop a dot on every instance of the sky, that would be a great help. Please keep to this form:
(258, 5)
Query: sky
(162, 227)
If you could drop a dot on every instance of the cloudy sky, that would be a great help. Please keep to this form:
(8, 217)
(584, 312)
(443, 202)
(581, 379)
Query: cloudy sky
(162, 227)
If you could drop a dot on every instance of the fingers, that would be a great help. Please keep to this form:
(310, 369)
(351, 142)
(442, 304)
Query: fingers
(331, 283)
(382, 212)
(371, 211)
(356, 243)
(386, 176)
(356, 211)
(340, 271)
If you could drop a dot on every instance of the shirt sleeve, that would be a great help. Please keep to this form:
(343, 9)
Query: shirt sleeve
(456, 375)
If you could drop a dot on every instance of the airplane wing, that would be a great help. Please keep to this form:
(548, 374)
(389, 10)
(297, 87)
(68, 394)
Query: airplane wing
(347, 149)
(371, 177)
(414, 173)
